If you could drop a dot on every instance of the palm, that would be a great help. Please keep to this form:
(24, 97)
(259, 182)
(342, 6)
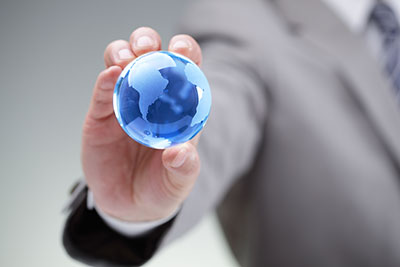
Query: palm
(130, 172)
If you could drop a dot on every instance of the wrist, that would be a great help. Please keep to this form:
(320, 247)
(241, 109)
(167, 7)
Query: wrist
(128, 228)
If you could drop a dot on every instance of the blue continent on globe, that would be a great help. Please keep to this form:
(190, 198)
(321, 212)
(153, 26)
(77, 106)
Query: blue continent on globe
(162, 99)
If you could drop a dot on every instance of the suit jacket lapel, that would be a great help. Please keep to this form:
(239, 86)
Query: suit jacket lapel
(321, 28)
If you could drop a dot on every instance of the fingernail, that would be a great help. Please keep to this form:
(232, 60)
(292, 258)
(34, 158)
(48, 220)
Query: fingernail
(180, 158)
(125, 54)
(145, 41)
(180, 44)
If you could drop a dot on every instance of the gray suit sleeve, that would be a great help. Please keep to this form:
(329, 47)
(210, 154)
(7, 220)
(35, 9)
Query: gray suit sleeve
(233, 133)
(227, 148)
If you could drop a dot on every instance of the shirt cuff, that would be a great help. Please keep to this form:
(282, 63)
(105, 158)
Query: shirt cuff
(129, 229)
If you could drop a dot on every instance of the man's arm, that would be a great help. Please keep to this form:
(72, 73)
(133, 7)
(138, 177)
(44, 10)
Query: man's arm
(227, 149)
(89, 239)
(229, 143)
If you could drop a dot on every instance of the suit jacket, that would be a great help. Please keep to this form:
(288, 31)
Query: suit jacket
(301, 154)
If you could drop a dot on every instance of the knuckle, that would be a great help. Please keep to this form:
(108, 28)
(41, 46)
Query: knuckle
(193, 165)
(174, 189)
(186, 45)
(113, 46)
(146, 31)
(145, 28)
(177, 187)
(137, 199)
(142, 30)
(101, 75)
(108, 49)
(115, 43)
(101, 99)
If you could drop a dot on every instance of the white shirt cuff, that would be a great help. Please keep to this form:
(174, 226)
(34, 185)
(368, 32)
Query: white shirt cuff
(129, 229)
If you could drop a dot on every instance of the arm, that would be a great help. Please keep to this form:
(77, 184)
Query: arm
(227, 148)
(230, 140)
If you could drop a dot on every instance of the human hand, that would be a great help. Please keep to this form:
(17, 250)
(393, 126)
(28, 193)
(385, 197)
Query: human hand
(130, 181)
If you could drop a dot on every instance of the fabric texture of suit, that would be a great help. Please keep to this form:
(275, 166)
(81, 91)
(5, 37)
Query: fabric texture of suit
(301, 154)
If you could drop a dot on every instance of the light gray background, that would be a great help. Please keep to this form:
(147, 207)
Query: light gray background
(50, 54)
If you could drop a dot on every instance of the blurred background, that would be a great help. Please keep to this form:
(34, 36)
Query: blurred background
(51, 53)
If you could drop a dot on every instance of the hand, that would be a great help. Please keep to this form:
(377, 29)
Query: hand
(130, 181)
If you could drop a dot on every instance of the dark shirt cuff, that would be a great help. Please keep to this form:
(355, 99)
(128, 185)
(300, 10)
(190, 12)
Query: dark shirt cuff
(88, 239)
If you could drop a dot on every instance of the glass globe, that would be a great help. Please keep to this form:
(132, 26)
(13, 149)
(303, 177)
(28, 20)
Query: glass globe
(162, 99)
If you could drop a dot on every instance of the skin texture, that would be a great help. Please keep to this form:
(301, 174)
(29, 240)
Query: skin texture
(129, 181)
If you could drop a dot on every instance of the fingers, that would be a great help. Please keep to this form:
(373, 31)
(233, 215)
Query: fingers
(187, 46)
(101, 105)
(183, 165)
(118, 53)
(116, 56)
(121, 52)
(143, 40)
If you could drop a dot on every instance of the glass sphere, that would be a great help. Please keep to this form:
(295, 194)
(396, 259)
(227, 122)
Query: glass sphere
(162, 99)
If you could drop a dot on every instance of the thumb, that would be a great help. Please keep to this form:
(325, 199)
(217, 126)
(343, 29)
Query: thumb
(183, 165)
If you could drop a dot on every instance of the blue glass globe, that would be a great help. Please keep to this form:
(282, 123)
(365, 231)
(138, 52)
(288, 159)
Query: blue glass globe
(162, 99)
